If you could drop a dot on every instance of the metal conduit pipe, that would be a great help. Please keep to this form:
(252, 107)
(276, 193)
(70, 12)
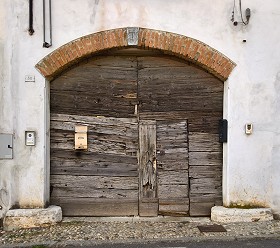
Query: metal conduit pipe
(30, 29)
(45, 43)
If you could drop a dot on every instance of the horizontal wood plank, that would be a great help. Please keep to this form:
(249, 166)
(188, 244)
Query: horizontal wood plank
(205, 158)
(96, 206)
(201, 209)
(201, 142)
(93, 168)
(93, 192)
(95, 182)
(173, 191)
(174, 207)
(148, 207)
(173, 177)
(199, 172)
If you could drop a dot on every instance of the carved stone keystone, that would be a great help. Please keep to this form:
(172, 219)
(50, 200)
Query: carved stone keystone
(132, 36)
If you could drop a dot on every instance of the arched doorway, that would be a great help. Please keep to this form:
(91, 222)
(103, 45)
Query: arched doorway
(152, 137)
(187, 104)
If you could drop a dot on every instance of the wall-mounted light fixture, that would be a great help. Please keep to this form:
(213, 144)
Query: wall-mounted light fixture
(241, 19)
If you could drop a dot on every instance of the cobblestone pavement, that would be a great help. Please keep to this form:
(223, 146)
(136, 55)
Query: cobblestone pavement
(82, 231)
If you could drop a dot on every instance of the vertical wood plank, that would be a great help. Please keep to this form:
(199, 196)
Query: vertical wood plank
(172, 159)
(148, 202)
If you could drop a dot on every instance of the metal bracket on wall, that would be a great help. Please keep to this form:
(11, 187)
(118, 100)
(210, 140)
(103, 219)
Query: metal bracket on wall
(49, 7)
(30, 29)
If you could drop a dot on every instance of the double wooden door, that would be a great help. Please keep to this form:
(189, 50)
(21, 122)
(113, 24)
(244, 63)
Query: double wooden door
(152, 138)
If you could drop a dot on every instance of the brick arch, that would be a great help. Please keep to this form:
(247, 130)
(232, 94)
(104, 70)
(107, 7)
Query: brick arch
(177, 45)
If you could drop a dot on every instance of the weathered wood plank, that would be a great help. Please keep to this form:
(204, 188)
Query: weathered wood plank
(147, 160)
(159, 61)
(96, 206)
(205, 172)
(92, 157)
(172, 191)
(92, 191)
(175, 70)
(93, 168)
(172, 156)
(206, 185)
(200, 142)
(170, 165)
(98, 123)
(201, 209)
(174, 206)
(205, 158)
(173, 177)
(198, 121)
(96, 182)
(148, 207)
(215, 198)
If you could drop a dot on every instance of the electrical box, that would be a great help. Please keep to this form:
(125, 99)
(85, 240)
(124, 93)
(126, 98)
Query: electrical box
(6, 146)
(81, 137)
(223, 130)
(249, 128)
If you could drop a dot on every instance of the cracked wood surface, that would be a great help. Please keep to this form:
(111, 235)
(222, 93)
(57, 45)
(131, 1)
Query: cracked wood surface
(182, 172)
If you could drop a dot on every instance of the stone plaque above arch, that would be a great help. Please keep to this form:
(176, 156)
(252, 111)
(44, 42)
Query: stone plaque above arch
(177, 45)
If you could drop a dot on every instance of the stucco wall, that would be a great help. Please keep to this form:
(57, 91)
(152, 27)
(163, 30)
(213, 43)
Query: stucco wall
(251, 168)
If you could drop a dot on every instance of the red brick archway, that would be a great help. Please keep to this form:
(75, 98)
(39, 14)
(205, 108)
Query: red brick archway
(181, 46)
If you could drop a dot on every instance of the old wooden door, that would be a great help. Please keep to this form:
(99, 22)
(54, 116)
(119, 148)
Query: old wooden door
(186, 104)
(152, 141)
(163, 167)
(103, 180)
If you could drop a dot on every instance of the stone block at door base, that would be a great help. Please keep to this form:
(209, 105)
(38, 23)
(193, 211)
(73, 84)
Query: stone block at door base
(227, 215)
(27, 218)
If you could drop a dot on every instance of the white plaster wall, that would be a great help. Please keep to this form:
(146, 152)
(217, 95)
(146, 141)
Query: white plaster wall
(251, 168)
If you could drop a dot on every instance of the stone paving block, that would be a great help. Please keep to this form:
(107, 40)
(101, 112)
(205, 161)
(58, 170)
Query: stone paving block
(227, 215)
(27, 218)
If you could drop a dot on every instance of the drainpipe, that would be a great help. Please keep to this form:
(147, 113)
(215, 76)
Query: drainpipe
(45, 43)
(30, 29)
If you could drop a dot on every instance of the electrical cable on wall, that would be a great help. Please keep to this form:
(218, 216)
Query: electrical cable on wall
(247, 14)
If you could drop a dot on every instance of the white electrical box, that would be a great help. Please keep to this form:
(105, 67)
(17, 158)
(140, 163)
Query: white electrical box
(6, 146)
(249, 128)
(30, 138)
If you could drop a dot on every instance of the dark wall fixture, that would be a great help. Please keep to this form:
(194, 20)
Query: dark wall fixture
(223, 130)
(49, 7)
(30, 29)
(241, 19)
